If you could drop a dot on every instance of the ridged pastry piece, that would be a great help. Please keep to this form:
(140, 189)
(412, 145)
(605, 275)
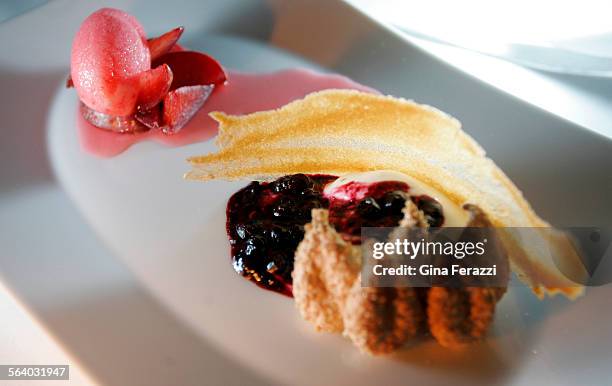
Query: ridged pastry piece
(380, 320)
(325, 269)
(328, 293)
(342, 131)
(460, 316)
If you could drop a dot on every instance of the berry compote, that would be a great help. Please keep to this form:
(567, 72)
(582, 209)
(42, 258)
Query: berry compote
(265, 220)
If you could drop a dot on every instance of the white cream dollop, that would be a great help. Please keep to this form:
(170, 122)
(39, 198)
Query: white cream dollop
(454, 215)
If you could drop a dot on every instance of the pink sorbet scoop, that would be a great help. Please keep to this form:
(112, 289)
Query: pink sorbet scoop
(109, 53)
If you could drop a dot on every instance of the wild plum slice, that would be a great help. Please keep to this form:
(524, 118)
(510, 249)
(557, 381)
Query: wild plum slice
(192, 68)
(154, 85)
(164, 43)
(181, 104)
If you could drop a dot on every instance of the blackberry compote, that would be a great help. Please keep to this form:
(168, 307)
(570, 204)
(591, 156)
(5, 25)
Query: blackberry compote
(265, 220)
(265, 224)
(377, 204)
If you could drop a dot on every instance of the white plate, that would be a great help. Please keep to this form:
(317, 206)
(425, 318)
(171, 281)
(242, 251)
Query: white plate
(203, 323)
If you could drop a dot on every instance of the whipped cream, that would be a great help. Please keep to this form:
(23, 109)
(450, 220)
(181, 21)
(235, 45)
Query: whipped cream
(454, 215)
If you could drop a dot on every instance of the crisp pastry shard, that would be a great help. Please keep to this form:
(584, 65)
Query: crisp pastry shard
(341, 131)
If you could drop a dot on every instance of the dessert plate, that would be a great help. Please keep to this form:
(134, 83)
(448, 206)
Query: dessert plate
(170, 233)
